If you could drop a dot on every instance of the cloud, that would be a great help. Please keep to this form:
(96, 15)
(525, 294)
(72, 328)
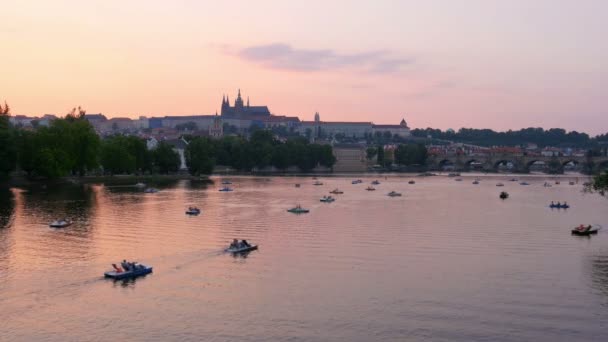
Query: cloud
(285, 57)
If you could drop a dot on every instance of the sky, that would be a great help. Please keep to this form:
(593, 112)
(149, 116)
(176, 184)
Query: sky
(444, 64)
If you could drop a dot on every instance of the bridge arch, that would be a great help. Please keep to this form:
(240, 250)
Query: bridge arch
(474, 163)
(536, 164)
(505, 164)
(572, 162)
(446, 164)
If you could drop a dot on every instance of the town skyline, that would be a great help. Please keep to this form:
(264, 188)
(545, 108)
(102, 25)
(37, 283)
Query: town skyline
(439, 64)
(226, 100)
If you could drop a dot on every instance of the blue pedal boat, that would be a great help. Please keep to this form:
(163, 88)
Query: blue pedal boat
(140, 270)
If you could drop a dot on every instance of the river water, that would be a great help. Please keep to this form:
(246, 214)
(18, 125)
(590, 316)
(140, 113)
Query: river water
(447, 261)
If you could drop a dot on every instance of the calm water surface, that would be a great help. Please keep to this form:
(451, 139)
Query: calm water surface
(448, 261)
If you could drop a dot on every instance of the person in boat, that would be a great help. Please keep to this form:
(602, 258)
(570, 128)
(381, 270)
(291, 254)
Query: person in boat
(552, 204)
(565, 204)
(558, 204)
(234, 244)
(245, 243)
(125, 265)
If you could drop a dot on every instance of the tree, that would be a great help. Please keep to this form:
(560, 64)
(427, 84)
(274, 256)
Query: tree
(280, 157)
(555, 166)
(75, 114)
(8, 151)
(371, 152)
(599, 184)
(380, 154)
(165, 159)
(115, 156)
(326, 156)
(199, 156)
(6, 111)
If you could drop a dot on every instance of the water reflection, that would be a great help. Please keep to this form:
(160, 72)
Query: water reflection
(129, 282)
(51, 202)
(599, 274)
(7, 208)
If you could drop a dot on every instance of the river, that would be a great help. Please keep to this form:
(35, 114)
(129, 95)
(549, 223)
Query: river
(447, 261)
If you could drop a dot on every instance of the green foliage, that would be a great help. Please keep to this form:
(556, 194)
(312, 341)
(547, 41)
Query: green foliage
(380, 154)
(371, 152)
(67, 145)
(487, 137)
(260, 151)
(165, 159)
(8, 151)
(411, 154)
(199, 156)
(599, 184)
(555, 166)
(124, 155)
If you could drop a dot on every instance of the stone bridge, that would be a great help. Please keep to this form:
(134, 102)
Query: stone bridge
(516, 163)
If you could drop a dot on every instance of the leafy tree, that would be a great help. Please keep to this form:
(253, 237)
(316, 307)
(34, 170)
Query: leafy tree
(371, 152)
(199, 156)
(599, 184)
(555, 166)
(115, 157)
(411, 154)
(325, 155)
(165, 159)
(280, 157)
(380, 154)
(6, 111)
(8, 151)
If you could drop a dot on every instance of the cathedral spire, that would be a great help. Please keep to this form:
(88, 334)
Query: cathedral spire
(247, 101)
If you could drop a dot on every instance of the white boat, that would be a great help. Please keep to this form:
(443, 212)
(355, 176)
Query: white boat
(499, 184)
(394, 194)
(357, 181)
(317, 183)
(60, 223)
(327, 199)
(140, 185)
(376, 182)
(226, 182)
(226, 189)
(151, 190)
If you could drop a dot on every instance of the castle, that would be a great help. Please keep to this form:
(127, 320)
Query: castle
(240, 110)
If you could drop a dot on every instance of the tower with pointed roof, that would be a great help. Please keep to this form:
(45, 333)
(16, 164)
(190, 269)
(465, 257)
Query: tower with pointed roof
(240, 110)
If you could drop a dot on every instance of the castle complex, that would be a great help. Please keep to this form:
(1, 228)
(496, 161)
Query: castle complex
(239, 118)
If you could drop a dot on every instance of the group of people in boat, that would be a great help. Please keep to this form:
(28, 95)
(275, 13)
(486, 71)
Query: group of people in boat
(236, 244)
(583, 228)
(558, 204)
(126, 266)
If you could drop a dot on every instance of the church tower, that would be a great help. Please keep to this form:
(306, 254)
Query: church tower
(238, 103)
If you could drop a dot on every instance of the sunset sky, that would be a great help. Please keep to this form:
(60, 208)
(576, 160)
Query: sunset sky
(444, 64)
